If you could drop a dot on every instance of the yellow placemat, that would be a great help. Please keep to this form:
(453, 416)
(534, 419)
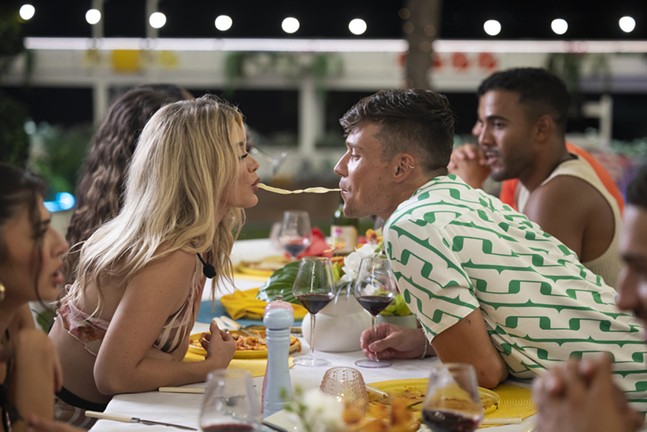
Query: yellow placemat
(255, 366)
(244, 304)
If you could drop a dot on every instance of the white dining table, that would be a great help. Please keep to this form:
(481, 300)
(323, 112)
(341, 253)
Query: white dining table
(184, 409)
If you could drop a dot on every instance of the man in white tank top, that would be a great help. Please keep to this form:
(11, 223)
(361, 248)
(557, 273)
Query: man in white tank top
(521, 127)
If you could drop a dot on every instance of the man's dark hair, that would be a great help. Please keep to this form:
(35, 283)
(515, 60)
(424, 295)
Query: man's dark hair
(414, 120)
(541, 91)
(637, 189)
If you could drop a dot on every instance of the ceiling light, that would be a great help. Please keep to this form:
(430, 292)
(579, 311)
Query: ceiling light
(27, 12)
(223, 22)
(290, 25)
(157, 20)
(93, 16)
(627, 24)
(492, 27)
(559, 26)
(357, 26)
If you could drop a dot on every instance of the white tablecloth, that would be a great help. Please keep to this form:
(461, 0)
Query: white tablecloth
(185, 408)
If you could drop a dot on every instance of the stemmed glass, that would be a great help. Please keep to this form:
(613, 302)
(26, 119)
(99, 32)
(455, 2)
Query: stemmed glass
(374, 289)
(295, 234)
(230, 402)
(452, 401)
(275, 160)
(314, 289)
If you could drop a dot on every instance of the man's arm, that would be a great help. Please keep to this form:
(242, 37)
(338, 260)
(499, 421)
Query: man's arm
(468, 342)
(575, 213)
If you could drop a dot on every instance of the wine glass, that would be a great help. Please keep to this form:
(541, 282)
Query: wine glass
(295, 233)
(374, 289)
(275, 160)
(452, 401)
(314, 289)
(230, 402)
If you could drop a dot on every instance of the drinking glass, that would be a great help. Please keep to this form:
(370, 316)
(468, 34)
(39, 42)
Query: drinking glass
(275, 160)
(295, 233)
(347, 385)
(452, 402)
(314, 289)
(374, 289)
(230, 403)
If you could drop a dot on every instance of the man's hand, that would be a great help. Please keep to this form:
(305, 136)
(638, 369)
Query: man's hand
(581, 397)
(468, 162)
(390, 341)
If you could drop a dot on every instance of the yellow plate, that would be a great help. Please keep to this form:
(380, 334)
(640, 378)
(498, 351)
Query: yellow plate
(196, 348)
(415, 388)
(263, 268)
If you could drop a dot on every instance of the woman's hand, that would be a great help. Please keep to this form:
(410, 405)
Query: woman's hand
(219, 344)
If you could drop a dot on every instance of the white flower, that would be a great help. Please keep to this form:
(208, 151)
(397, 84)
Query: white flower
(351, 262)
(317, 411)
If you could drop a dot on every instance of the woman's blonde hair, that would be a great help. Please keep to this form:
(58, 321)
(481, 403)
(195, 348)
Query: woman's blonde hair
(184, 167)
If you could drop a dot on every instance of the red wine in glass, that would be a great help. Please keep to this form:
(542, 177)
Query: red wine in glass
(229, 427)
(448, 421)
(375, 304)
(295, 246)
(315, 302)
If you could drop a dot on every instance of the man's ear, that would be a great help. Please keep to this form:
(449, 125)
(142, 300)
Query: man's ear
(544, 127)
(406, 164)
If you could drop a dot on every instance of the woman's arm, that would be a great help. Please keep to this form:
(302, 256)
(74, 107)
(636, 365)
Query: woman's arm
(156, 292)
(37, 375)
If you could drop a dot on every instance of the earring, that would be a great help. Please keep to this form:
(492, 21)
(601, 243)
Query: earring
(2, 291)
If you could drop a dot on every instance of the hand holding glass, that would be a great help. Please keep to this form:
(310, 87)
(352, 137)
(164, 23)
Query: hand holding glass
(314, 289)
(230, 403)
(374, 289)
(295, 234)
(452, 402)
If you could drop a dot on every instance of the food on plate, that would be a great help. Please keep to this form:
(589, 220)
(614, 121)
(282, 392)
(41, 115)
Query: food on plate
(263, 267)
(249, 344)
(413, 391)
(296, 191)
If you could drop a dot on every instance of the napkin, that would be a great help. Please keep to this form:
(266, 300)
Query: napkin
(244, 304)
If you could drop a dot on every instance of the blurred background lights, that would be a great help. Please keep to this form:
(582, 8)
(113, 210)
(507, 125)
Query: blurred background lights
(61, 202)
(27, 12)
(627, 24)
(93, 16)
(290, 25)
(357, 26)
(157, 20)
(559, 26)
(223, 22)
(492, 27)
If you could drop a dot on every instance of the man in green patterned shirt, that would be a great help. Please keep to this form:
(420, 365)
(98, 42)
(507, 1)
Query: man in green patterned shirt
(488, 286)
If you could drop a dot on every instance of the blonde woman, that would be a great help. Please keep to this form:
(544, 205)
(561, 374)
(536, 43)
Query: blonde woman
(124, 324)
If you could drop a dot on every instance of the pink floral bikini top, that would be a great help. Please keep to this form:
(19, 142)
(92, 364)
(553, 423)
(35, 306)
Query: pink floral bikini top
(90, 330)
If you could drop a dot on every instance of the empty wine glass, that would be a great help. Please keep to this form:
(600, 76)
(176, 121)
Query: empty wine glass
(230, 403)
(314, 289)
(275, 160)
(452, 401)
(374, 289)
(295, 233)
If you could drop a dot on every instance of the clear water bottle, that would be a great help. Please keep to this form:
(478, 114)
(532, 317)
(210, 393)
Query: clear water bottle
(277, 386)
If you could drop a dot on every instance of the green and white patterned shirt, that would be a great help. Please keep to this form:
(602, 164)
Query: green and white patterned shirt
(454, 249)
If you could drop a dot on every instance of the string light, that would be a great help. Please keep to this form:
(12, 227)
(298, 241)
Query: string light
(93, 16)
(559, 26)
(27, 12)
(357, 26)
(290, 25)
(627, 24)
(492, 27)
(223, 22)
(157, 20)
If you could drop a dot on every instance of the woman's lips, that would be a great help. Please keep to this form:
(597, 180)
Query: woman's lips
(57, 278)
